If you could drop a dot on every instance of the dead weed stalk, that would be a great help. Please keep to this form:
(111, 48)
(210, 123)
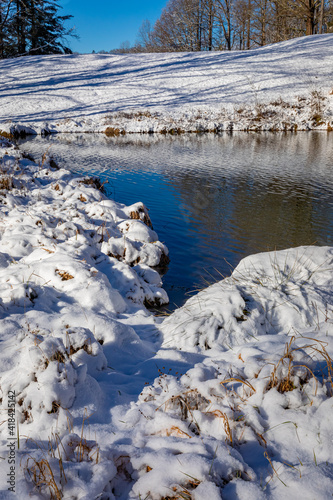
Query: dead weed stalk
(284, 372)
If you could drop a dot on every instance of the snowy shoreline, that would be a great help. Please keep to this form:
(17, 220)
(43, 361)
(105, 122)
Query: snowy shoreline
(304, 113)
(267, 118)
(231, 396)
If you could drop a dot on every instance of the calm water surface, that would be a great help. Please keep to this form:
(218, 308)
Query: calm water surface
(212, 199)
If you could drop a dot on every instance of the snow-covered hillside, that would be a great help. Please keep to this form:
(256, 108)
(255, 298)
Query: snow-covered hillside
(282, 86)
(229, 397)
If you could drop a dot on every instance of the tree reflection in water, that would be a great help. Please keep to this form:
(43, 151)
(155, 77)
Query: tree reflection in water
(213, 199)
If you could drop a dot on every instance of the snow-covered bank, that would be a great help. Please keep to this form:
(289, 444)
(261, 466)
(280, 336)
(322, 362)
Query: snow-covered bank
(76, 271)
(229, 397)
(286, 86)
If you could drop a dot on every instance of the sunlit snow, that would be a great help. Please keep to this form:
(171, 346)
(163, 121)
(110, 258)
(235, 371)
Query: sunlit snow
(280, 86)
(228, 397)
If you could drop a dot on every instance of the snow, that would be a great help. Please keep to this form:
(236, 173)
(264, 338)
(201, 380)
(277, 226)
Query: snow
(228, 397)
(285, 86)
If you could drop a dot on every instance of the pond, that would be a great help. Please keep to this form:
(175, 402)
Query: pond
(212, 199)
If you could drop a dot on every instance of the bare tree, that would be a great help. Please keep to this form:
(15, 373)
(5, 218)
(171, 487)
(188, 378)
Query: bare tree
(194, 25)
(143, 38)
(224, 15)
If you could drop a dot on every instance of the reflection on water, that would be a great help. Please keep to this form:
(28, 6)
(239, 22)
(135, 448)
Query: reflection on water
(212, 200)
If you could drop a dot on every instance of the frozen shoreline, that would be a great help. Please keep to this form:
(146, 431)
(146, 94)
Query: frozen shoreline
(230, 396)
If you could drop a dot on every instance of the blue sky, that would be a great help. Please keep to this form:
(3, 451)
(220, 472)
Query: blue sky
(103, 25)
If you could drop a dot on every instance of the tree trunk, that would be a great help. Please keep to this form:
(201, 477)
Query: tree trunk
(199, 26)
(248, 25)
(210, 25)
(321, 17)
(1, 38)
(33, 28)
(310, 17)
(263, 23)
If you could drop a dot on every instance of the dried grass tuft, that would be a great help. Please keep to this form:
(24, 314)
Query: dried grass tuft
(55, 407)
(65, 276)
(41, 474)
(6, 135)
(114, 132)
(94, 182)
(286, 373)
(141, 214)
(6, 182)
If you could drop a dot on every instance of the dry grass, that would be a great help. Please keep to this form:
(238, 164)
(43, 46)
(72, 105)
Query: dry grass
(183, 491)
(114, 132)
(41, 471)
(172, 131)
(164, 261)
(134, 115)
(280, 103)
(226, 425)
(44, 157)
(86, 346)
(6, 135)
(65, 276)
(117, 256)
(242, 381)
(94, 182)
(86, 451)
(288, 375)
(6, 182)
(55, 407)
(47, 250)
(290, 372)
(275, 472)
(176, 432)
(47, 473)
(318, 348)
(58, 356)
(186, 403)
(41, 474)
(317, 120)
(141, 214)
(283, 382)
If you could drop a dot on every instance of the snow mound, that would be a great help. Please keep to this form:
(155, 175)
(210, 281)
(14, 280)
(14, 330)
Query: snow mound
(270, 293)
(252, 417)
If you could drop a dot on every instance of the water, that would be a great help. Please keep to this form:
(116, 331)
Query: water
(212, 199)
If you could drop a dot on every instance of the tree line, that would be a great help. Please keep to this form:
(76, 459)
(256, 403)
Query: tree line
(32, 27)
(196, 25)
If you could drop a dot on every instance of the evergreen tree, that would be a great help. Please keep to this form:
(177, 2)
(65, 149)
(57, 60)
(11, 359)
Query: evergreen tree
(32, 27)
